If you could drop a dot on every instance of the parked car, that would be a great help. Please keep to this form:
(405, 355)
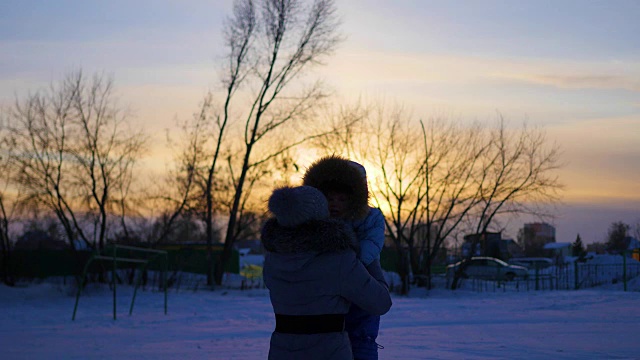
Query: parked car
(488, 268)
(532, 263)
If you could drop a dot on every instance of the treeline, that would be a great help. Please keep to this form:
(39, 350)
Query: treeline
(621, 238)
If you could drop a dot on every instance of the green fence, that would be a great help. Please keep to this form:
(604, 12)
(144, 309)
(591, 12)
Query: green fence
(389, 260)
(195, 261)
(47, 263)
(50, 263)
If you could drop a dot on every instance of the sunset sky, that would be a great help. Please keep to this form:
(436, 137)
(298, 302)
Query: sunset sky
(570, 66)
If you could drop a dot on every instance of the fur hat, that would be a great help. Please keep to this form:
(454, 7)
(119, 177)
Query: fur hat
(335, 173)
(360, 168)
(294, 206)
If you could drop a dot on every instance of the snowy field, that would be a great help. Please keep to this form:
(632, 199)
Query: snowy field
(602, 323)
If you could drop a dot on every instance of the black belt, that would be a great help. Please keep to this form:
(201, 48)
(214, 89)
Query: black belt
(309, 324)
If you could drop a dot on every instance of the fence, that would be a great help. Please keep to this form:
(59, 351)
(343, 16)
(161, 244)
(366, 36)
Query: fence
(132, 256)
(570, 276)
(186, 265)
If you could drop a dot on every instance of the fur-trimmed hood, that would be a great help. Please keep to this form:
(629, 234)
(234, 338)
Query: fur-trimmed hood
(312, 236)
(331, 170)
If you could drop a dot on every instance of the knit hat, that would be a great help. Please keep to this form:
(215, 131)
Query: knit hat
(293, 206)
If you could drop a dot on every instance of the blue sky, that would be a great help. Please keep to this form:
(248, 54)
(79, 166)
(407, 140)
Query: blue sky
(539, 29)
(570, 66)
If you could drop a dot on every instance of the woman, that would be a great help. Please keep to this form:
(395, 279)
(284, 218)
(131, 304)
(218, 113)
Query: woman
(313, 276)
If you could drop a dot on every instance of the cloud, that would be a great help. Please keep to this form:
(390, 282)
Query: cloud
(602, 157)
(584, 81)
(623, 130)
(410, 68)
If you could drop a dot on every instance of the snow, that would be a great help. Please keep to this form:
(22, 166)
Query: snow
(229, 323)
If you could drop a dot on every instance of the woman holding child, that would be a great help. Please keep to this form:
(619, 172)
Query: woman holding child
(312, 266)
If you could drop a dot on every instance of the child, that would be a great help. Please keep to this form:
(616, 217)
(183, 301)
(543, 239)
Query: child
(313, 277)
(344, 183)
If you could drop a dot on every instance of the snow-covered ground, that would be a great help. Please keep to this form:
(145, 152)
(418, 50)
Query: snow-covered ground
(601, 323)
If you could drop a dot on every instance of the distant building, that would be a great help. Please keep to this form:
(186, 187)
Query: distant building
(511, 247)
(534, 236)
(557, 250)
(491, 244)
(596, 248)
(485, 244)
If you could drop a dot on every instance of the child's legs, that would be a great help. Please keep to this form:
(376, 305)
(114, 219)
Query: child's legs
(363, 331)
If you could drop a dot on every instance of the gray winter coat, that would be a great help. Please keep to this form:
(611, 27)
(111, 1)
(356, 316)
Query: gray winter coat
(312, 269)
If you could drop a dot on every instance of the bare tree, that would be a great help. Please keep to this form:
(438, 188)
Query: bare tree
(617, 237)
(516, 175)
(39, 127)
(5, 244)
(104, 149)
(239, 33)
(261, 178)
(349, 131)
(288, 37)
(450, 156)
(182, 192)
(6, 205)
(400, 187)
(461, 174)
(73, 152)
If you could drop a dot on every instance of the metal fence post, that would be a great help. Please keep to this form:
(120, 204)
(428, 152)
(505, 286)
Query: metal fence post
(113, 276)
(166, 280)
(624, 271)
